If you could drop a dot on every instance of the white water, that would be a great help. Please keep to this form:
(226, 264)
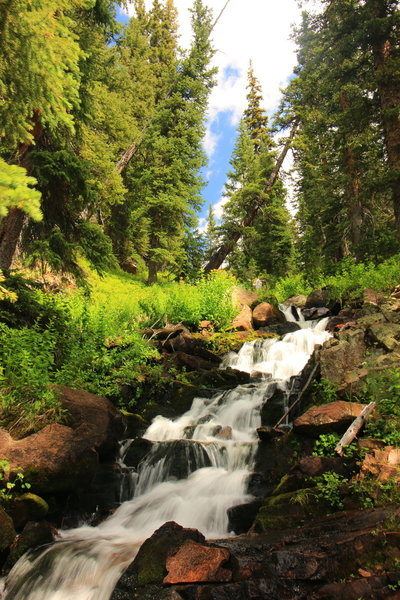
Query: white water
(87, 562)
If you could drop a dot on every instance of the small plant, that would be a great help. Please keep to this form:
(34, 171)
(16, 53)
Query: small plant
(324, 391)
(385, 390)
(10, 483)
(328, 488)
(302, 497)
(326, 443)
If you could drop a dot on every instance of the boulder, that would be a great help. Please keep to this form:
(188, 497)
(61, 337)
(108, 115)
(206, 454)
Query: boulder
(27, 507)
(194, 346)
(149, 565)
(339, 356)
(281, 328)
(7, 531)
(298, 301)
(242, 516)
(317, 298)
(334, 417)
(191, 363)
(136, 452)
(372, 297)
(314, 313)
(244, 297)
(244, 320)
(267, 314)
(95, 418)
(56, 459)
(32, 536)
(385, 335)
(197, 563)
(382, 464)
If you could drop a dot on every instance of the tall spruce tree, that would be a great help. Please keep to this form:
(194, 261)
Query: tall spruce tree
(266, 245)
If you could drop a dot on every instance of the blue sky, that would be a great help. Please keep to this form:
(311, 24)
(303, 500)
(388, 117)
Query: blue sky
(257, 30)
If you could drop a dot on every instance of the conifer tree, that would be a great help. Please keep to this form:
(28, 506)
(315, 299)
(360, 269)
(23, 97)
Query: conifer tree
(266, 245)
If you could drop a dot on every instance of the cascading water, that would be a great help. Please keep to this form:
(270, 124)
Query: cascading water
(216, 442)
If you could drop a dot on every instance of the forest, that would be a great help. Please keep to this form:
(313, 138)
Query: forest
(104, 267)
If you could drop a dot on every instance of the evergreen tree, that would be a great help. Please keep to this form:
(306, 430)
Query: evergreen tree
(266, 245)
(211, 233)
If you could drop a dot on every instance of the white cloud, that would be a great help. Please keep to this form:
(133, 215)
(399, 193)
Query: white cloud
(210, 141)
(218, 207)
(256, 30)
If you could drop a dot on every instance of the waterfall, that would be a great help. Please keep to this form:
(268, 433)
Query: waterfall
(216, 443)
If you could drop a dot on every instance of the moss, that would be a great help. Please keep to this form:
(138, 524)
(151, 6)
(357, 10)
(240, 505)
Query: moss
(7, 531)
(289, 510)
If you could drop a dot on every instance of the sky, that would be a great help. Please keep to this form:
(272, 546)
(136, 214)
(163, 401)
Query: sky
(256, 30)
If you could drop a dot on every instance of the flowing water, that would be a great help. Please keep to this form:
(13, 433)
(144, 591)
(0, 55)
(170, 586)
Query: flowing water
(197, 468)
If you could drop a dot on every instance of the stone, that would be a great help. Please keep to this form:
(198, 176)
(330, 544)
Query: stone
(197, 563)
(339, 356)
(224, 433)
(386, 335)
(334, 417)
(94, 417)
(242, 516)
(372, 297)
(194, 346)
(137, 450)
(192, 363)
(56, 459)
(298, 301)
(244, 320)
(149, 565)
(266, 314)
(318, 298)
(32, 536)
(7, 531)
(314, 313)
(280, 328)
(27, 507)
(382, 464)
(244, 297)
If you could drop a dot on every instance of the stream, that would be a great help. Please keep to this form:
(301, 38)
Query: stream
(219, 440)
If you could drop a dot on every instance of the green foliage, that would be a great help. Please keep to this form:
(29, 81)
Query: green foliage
(11, 483)
(384, 389)
(369, 492)
(329, 488)
(326, 443)
(16, 191)
(27, 358)
(290, 285)
(323, 391)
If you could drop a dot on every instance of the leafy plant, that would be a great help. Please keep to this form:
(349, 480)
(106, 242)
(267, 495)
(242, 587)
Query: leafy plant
(329, 488)
(326, 443)
(11, 482)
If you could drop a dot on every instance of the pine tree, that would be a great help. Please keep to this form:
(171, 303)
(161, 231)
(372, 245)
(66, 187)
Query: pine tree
(211, 233)
(266, 245)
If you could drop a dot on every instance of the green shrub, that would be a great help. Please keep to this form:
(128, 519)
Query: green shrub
(11, 483)
(384, 389)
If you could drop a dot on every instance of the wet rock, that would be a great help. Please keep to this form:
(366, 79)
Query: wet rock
(368, 588)
(267, 434)
(314, 313)
(298, 301)
(242, 516)
(281, 328)
(224, 433)
(181, 457)
(257, 485)
(244, 320)
(32, 536)
(27, 507)
(7, 531)
(318, 298)
(313, 466)
(134, 425)
(149, 565)
(334, 417)
(382, 465)
(137, 450)
(267, 314)
(197, 563)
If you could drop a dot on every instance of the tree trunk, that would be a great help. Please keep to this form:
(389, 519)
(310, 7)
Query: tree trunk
(386, 56)
(152, 273)
(220, 255)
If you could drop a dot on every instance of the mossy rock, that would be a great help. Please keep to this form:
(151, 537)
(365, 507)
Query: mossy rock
(7, 531)
(287, 510)
(27, 507)
(33, 535)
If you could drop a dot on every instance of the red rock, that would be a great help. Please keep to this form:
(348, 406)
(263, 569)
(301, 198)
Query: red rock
(265, 314)
(382, 464)
(244, 297)
(244, 320)
(328, 418)
(195, 563)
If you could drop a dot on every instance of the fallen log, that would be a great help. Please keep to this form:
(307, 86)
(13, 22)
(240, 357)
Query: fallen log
(354, 428)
